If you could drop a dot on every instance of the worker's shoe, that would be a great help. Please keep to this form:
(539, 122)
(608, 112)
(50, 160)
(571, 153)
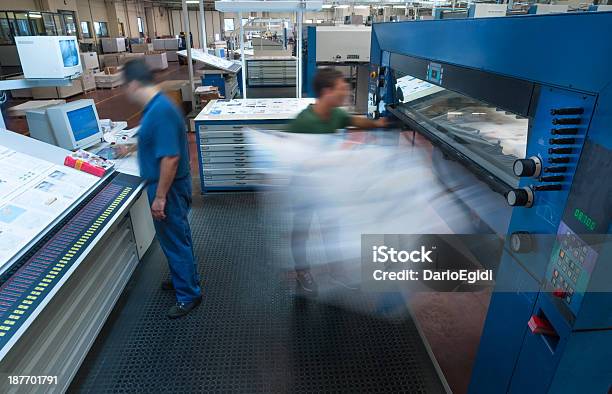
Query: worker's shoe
(305, 282)
(167, 285)
(341, 279)
(183, 308)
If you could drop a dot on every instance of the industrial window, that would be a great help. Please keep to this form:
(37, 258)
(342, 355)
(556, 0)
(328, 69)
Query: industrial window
(68, 19)
(228, 24)
(140, 26)
(85, 30)
(101, 29)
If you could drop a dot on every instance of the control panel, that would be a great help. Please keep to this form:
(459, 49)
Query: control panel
(572, 262)
(552, 169)
(25, 286)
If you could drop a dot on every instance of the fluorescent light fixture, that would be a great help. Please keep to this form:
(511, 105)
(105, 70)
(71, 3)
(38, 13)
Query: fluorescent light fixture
(267, 6)
(192, 2)
(399, 6)
(35, 16)
(361, 7)
(342, 6)
(326, 6)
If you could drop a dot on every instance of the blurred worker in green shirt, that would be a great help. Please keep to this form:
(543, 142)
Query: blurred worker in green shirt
(323, 117)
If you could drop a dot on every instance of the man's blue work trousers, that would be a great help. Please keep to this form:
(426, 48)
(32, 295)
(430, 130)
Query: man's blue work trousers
(174, 235)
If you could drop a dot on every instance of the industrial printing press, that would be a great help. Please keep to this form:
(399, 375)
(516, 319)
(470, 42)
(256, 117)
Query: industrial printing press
(69, 242)
(525, 118)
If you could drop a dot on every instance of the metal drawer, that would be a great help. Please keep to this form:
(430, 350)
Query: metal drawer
(230, 159)
(209, 130)
(227, 183)
(222, 140)
(230, 177)
(232, 171)
(227, 147)
(238, 153)
(227, 165)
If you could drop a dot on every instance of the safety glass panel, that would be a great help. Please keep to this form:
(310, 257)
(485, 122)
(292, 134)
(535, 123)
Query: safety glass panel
(489, 136)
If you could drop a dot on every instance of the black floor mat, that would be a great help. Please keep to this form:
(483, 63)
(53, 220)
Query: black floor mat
(251, 333)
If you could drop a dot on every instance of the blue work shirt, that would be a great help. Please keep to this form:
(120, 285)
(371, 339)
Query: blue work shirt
(162, 133)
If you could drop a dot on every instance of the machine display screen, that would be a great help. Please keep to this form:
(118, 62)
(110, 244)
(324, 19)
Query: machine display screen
(491, 137)
(70, 55)
(83, 122)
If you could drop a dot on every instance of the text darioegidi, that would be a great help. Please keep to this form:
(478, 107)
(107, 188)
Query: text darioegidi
(385, 254)
(469, 276)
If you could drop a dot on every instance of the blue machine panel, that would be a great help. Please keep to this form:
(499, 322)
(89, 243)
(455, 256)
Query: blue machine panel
(561, 280)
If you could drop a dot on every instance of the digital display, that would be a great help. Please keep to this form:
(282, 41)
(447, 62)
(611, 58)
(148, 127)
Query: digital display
(70, 55)
(83, 122)
(585, 219)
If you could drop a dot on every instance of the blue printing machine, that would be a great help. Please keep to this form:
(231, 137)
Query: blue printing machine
(553, 70)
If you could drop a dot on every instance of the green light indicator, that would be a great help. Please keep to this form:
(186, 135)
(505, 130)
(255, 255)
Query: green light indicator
(585, 219)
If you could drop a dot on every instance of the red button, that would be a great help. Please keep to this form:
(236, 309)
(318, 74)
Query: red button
(559, 293)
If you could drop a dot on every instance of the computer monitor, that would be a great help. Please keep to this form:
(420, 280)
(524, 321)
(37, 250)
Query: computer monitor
(60, 56)
(75, 125)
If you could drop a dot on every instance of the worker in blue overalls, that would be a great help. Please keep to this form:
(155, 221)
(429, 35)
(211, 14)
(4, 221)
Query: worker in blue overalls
(164, 164)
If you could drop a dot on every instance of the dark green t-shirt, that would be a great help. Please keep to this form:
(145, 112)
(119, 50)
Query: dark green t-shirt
(309, 122)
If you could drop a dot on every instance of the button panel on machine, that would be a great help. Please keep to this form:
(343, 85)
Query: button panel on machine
(24, 287)
(572, 263)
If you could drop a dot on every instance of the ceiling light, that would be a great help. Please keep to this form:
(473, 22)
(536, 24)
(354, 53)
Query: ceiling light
(327, 6)
(342, 6)
(361, 7)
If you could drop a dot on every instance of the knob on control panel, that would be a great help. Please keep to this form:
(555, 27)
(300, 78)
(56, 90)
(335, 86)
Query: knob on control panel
(520, 197)
(527, 167)
(521, 242)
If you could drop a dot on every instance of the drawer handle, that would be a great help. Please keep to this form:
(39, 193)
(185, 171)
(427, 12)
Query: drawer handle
(237, 127)
(241, 183)
(237, 134)
(240, 159)
(240, 171)
(239, 153)
(238, 139)
(239, 147)
(240, 176)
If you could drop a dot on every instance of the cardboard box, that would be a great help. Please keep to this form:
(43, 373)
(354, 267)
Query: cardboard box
(177, 90)
(126, 57)
(142, 48)
(90, 60)
(109, 60)
(172, 56)
(156, 61)
(165, 44)
(58, 91)
(88, 81)
(110, 70)
(109, 80)
(112, 45)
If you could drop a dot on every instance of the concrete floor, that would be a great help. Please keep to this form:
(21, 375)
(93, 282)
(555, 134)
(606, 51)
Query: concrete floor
(451, 322)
